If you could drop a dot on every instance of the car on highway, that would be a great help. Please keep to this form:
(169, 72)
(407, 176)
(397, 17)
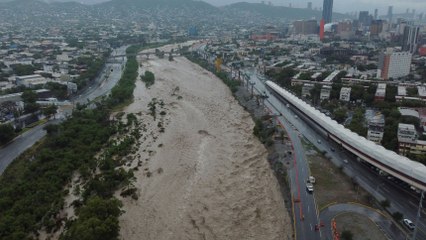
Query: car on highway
(310, 187)
(409, 224)
(319, 141)
(311, 179)
(332, 149)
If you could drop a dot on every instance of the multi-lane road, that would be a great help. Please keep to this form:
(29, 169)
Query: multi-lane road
(305, 209)
(402, 200)
(101, 86)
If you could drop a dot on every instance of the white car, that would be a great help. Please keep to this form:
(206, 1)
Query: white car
(409, 224)
(310, 187)
(311, 179)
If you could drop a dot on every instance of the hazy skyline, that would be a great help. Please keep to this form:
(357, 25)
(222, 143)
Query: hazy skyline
(342, 6)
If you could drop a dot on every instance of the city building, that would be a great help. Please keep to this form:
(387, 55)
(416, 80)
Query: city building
(390, 14)
(305, 27)
(376, 28)
(421, 91)
(306, 89)
(408, 140)
(376, 126)
(406, 132)
(402, 91)
(394, 64)
(376, 14)
(364, 18)
(325, 92)
(327, 11)
(30, 80)
(380, 92)
(410, 39)
(309, 5)
(345, 94)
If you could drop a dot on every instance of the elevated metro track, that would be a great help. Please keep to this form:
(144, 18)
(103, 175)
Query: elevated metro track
(409, 171)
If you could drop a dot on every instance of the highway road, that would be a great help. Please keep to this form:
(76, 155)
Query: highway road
(100, 87)
(402, 200)
(305, 208)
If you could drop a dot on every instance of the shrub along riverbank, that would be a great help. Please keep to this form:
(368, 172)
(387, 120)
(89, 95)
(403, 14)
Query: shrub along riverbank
(32, 187)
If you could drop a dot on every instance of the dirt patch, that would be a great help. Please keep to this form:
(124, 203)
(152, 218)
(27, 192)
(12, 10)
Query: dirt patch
(360, 226)
(332, 185)
(215, 181)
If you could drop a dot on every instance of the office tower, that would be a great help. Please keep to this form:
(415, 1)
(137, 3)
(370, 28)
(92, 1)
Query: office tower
(390, 10)
(327, 11)
(376, 13)
(364, 18)
(309, 5)
(410, 39)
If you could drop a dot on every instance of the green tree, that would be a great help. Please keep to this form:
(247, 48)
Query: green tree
(347, 235)
(391, 92)
(7, 133)
(148, 78)
(97, 220)
(29, 98)
(50, 110)
(340, 115)
(22, 70)
(357, 124)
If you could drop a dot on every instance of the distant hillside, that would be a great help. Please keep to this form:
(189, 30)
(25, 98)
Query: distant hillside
(149, 4)
(279, 11)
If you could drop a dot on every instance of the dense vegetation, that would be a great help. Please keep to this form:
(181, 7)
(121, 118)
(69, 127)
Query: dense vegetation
(32, 187)
(148, 78)
(93, 67)
(123, 91)
(7, 133)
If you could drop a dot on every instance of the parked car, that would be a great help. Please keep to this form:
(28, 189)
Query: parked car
(310, 187)
(311, 179)
(409, 224)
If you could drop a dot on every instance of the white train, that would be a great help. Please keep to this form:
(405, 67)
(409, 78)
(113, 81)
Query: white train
(411, 172)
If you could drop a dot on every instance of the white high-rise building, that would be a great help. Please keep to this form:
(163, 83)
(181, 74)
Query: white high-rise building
(394, 64)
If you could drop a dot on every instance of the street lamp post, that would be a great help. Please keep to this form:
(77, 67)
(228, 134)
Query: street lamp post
(419, 212)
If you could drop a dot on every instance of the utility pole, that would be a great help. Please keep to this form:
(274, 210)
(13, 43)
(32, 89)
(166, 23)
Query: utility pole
(252, 87)
(419, 212)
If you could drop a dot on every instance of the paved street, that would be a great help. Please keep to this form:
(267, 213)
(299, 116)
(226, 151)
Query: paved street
(387, 226)
(305, 208)
(102, 85)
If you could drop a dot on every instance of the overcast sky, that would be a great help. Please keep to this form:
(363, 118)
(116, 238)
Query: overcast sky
(344, 6)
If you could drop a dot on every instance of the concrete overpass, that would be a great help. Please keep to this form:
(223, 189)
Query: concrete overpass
(411, 172)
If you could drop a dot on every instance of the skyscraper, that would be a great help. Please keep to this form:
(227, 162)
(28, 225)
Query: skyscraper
(364, 18)
(376, 14)
(327, 11)
(410, 39)
(310, 5)
(390, 10)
